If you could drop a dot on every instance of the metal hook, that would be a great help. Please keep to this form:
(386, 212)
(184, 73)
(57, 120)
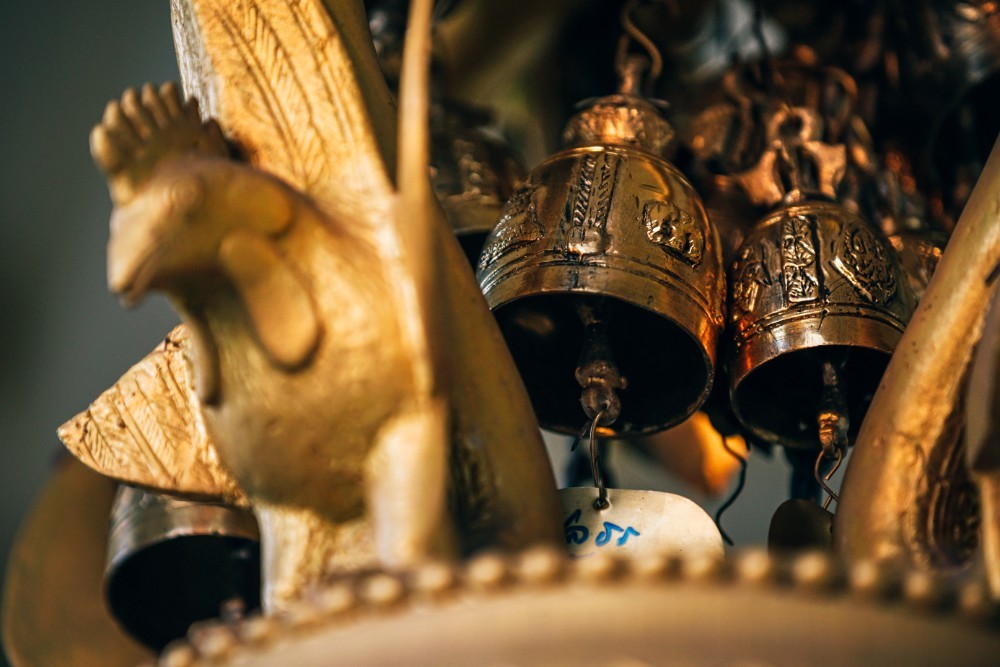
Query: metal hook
(633, 31)
(823, 479)
(602, 502)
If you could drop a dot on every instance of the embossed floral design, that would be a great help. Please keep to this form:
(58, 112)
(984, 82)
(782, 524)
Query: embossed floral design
(863, 260)
(674, 230)
(517, 226)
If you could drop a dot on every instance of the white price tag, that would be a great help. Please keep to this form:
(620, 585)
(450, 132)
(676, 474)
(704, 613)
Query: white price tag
(637, 522)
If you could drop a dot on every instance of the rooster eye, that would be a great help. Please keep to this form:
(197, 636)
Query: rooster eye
(185, 194)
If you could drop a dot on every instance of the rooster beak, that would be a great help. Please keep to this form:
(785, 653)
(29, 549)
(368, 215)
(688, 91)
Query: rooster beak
(131, 251)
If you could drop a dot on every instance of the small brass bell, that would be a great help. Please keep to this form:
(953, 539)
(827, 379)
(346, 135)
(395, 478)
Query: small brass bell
(818, 301)
(172, 562)
(473, 173)
(906, 220)
(604, 272)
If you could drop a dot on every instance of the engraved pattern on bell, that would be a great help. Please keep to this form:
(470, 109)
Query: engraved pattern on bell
(863, 260)
(620, 226)
(674, 230)
(473, 174)
(809, 277)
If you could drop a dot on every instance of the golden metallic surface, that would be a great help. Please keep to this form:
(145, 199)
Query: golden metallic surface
(474, 174)
(982, 440)
(604, 611)
(910, 434)
(608, 220)
(919, 254)
(348, 372)
(903, 213)
(147, 429)
(53, 604)
(810, 276)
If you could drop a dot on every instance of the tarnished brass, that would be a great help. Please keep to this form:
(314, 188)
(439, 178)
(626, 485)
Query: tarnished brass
(899, 495)
(473, 171)
(609, 225)
(350, 377)
(539, 609)
(799, 524)
(905, 217)
(811, 277)
(173, 562)
(817, 299)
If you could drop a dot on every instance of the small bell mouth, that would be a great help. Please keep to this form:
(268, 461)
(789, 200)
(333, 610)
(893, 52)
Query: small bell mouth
(669, 375)
(777, 401)
(173, 562)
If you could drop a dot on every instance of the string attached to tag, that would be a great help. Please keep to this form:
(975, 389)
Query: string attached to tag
(741, 482)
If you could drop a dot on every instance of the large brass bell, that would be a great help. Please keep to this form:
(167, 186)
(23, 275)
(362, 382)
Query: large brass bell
(605, 272)
(172, 562)
(817, 298)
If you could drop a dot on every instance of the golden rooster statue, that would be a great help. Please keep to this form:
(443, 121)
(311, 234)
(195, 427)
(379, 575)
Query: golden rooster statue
(330, 395)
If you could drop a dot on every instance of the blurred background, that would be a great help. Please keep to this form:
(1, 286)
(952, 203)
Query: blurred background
(64, 338)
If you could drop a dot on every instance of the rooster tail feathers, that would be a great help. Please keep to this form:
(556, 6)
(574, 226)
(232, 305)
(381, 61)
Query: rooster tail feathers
(419, 220)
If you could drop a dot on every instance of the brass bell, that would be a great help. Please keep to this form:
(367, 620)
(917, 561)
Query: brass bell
(817, 298)
(816, 292)
(172, 562)
(473, 173)
(905, 219)
(605, 272)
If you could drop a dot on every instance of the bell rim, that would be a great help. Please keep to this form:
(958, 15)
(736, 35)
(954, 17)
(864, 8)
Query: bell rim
(514, 286)
(172, 518)
(872, 329)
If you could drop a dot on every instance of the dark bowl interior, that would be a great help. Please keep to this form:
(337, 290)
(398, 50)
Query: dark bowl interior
(159, 591)
(779, 400)
(665, 367)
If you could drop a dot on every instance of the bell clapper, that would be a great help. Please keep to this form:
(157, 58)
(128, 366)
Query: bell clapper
(600, 380)
(597, 373)
(833, 422)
